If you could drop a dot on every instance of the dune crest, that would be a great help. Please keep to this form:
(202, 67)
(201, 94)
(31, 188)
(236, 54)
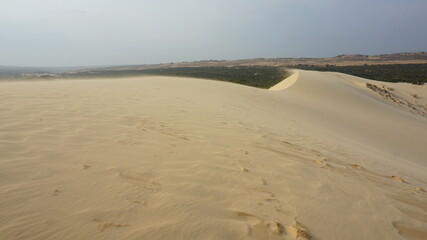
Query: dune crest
(322, 157)
(287, 82)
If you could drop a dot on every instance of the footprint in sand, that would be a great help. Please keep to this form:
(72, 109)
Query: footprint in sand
(85, 166)
(399, 179)
(141, 202)
(357, 166)
(298, 231)
(244, 152)
(55, 192)
(272, 199)
(274, 203)
(103, 225)
(263, 182)
(269, 198)
(325, 165)
(262, 229)
(264, 190)
(286, 142)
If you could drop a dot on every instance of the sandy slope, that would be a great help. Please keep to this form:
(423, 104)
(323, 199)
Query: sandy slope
(319, 156)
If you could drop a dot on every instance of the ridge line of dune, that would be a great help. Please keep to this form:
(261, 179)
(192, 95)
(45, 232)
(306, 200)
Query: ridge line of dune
(287, 82)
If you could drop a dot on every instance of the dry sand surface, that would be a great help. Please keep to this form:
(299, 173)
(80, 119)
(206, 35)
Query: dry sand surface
(319, 156)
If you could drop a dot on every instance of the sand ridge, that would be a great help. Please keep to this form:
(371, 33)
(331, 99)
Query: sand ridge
(322, 157)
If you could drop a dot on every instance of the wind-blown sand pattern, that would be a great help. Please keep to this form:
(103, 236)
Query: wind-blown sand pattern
(319, 156)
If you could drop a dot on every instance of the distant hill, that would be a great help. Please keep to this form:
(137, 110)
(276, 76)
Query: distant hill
(257, 72)
(340, 60)
(18, 70)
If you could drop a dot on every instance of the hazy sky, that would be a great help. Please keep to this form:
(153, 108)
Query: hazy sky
(111, 32)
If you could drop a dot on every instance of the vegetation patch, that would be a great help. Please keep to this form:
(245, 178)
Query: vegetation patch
(255, 76)
(411, 73)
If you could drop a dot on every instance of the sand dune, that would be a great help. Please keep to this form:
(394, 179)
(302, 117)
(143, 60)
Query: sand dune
(318, 156)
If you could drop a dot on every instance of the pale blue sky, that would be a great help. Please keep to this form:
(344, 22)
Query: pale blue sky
(116, 32)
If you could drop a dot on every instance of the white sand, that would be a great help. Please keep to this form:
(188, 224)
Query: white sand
(321, 157)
